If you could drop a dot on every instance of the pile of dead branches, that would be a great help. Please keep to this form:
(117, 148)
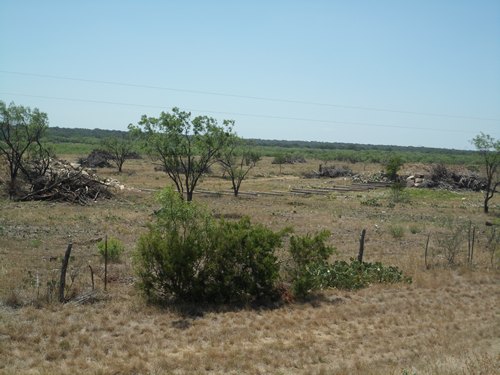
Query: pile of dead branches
(62, 182)
(97, 159)
(330, 172)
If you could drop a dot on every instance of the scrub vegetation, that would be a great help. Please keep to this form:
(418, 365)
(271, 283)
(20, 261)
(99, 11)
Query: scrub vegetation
(268, 281)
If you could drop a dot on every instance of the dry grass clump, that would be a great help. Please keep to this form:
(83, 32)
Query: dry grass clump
(446, 322)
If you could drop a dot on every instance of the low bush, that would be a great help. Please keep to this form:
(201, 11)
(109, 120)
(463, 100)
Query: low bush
(189, 255)
(397, 231)
(309, 253)
(356, 275)
(115, 249)
(372, 202)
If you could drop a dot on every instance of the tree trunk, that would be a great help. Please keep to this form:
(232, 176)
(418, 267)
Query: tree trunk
(189, 195)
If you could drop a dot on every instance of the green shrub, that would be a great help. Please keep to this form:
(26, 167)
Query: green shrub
(309, 254)
(115, 249)
(190, 256)
(397, 231)
(356, 275)
(242, 264)
(392, 166)
(372, 202)
(414, 229)
(398, 194)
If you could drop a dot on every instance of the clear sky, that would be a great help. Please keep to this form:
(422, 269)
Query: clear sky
(419, 73)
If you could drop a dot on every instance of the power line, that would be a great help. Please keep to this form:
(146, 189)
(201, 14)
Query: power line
(261, 98)
(239, 113)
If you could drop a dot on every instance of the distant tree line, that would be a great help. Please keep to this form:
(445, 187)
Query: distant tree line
(326, 151)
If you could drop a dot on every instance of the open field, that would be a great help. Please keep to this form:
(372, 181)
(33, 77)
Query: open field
(446, 322)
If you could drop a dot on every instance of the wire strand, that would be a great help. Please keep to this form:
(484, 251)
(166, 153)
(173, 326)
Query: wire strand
(241, 114)
(249, 97)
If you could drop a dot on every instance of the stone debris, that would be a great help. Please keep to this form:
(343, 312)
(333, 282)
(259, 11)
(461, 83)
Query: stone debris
(448, 181)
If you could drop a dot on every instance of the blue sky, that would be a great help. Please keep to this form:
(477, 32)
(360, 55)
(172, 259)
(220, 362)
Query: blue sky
(419, 73)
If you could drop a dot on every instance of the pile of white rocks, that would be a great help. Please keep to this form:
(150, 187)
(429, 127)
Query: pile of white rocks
(417, 180)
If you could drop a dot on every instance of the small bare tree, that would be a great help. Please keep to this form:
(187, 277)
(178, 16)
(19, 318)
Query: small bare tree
(489, 148)
(237, 161)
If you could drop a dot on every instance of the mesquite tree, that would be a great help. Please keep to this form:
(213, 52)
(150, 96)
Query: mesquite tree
(237, 161)
(185, 147)
(489, 148)
(119, 148)
(21, 130)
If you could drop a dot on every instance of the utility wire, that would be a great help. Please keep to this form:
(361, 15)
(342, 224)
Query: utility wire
(239, 114)
(261, 98)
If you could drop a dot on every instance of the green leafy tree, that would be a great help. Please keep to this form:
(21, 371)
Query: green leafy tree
(280, 159)
(237, 161)
(119, 147)
(21, 130)
(489, 148)
(186, 147)
(392, 166)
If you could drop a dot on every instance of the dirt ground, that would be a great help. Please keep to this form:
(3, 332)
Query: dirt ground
(446, 322)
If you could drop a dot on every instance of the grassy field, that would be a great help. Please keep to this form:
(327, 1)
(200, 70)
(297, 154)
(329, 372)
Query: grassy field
(446, 322)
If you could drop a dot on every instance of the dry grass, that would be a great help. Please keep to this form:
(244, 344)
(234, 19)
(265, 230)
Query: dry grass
(446, 322)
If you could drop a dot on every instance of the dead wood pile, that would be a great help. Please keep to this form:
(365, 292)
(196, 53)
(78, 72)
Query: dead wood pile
(289, 159)
(457, 181)
(96, 159)
(63, 182)
(330, 172)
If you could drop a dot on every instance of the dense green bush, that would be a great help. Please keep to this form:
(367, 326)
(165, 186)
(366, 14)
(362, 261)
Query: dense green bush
(190, 256)
(309, 253)
(393, 165)
(311, 270)
(242, 264)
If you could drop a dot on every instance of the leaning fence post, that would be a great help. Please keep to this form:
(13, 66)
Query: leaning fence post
(361, 245)
(92, 276)
(62, 282)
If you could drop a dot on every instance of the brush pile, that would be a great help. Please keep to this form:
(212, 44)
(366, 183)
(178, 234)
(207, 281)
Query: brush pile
(330, 172)
(63, 181)
(97, 159)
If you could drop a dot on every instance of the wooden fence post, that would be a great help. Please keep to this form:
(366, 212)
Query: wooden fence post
(62, 282)
(361, 245)
(473, 240)
(426, 251)
(105, 262)
(469, 242)
(92, 276)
